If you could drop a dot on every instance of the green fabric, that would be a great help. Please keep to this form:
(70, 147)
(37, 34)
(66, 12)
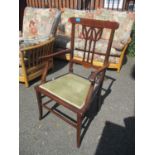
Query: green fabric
(71, 88)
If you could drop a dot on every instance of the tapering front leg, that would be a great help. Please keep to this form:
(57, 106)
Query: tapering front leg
(26, 83)
(79, 121)
(99, 98)
(39, 100)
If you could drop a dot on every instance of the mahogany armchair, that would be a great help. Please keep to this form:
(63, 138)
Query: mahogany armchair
(73, 91)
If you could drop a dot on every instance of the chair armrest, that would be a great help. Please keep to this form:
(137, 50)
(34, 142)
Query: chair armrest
(46, 58)
(92, 79)
(93, 75)
(41, 44)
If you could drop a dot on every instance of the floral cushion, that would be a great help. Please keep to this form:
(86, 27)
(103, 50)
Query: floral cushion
(97, 58)
(101, 47)
(62, 41)
(65, 26)
(122, 35)
(39, 23)
(125, 20)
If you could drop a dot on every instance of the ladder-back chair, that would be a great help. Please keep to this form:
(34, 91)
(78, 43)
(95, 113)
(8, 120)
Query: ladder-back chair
(73, 91)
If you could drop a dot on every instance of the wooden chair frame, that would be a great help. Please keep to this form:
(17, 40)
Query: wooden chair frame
(96, 78)
(30, 65)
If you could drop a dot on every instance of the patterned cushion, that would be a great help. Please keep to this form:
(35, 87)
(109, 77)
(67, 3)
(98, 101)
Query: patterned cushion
(101, 46)
(39, 23)
(125, 20)
(65, 26)
(61, 41)
(70, 88)
(97, 58)
(121, 37)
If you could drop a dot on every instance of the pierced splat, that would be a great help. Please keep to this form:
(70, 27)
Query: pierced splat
(90, 36)
(91, 32)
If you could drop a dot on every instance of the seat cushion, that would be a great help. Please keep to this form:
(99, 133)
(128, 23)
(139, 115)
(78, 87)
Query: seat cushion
(70, 88)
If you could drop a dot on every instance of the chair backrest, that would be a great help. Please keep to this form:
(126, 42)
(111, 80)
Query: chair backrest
(91, 32)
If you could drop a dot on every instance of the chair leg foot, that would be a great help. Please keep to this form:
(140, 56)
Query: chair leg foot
(118, 69)
(39, 100)
(79, 121)
(26, 84)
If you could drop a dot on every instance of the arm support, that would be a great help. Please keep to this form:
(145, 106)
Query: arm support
(92, 79)
(46, 58)
(31, 47)
(93, 75)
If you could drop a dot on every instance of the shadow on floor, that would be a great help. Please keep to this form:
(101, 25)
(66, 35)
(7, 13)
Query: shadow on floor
(117, 140)
(133, 72)
(125, 60)
(94, 109)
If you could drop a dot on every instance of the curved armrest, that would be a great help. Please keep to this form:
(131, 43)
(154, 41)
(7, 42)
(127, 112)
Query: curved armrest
(46, 58)
(93, 75)
(41, 44)
(92, 79)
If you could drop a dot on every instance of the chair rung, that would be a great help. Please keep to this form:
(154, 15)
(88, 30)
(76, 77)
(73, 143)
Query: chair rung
(46, 101)
(60, 116)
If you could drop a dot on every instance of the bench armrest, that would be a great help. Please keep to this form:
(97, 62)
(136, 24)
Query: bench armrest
(41, 44)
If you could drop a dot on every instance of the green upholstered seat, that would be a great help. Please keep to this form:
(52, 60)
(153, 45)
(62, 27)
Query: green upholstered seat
(70, 88)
